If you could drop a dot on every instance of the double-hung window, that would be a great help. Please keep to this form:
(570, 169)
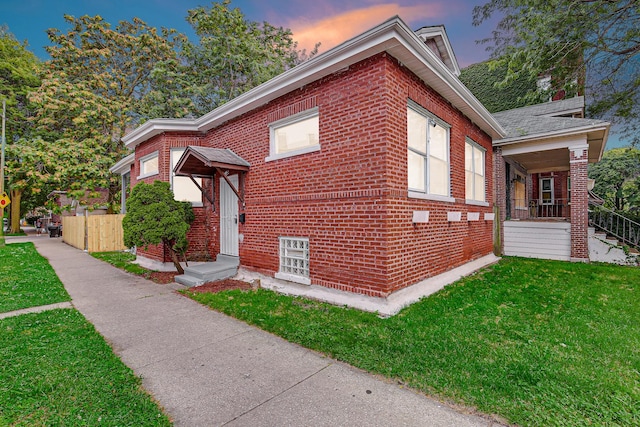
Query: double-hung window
(474, 172)
(427, 153)
(183, 188)
(294, 135)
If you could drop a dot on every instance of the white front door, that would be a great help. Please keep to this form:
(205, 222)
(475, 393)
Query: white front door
(228, 217)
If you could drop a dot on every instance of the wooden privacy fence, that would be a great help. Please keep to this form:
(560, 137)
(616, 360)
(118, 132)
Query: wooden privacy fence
(94, 233)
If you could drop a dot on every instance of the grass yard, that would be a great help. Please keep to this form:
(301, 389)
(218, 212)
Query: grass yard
(27, 279)
(121, 260)
(536, 342)
(57, 370)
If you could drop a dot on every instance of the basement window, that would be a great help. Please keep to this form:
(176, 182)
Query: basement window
(294, 260)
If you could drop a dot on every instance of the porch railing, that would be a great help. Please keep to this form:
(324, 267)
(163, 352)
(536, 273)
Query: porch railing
(540, 209)
(624, 229)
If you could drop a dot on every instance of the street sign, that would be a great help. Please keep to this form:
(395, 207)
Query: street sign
(4, 200)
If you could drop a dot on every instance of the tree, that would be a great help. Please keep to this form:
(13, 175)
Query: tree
(154, 217)
(483, 80)
(571, 39)
(617, 177)
(93, 90)
(18, 77)
(234, 54)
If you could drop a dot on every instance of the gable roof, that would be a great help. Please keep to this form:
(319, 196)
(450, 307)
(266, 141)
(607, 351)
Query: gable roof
(392, 36)
(438, 34)
(203, 161)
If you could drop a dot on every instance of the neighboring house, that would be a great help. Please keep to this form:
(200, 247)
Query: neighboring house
(361, 172)
(93, 204)
(541, 182)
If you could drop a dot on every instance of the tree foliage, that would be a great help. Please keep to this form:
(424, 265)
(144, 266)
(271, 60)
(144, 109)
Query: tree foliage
(571, 39)
(234, 54)
(154, 217)
(93, 90)
(18, 78)
(102, 81)
(617, 178)
(483, 80)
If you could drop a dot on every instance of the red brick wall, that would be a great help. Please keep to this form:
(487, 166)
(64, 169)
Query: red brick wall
(578, 159)
(350, 198)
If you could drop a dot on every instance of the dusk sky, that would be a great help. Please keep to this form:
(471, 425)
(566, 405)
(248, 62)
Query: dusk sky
(330, 22)
(327, 21)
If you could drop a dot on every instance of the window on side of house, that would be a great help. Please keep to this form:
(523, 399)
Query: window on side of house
(427, 153)
(183, 188)
(149, 165)
(294, 260)
(295, 135)
(474, 158)
(569, 189)
(546, 191)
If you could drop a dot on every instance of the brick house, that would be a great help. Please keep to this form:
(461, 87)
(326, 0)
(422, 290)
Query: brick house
(361, 177)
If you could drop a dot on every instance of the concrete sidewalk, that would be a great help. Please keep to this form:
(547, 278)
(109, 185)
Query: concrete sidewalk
(207, 369)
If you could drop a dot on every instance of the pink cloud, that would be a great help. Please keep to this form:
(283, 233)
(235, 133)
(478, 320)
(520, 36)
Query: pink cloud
(333, 30)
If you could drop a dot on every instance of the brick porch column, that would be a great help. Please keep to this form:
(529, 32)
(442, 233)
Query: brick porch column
(500, 200)
(578, 160)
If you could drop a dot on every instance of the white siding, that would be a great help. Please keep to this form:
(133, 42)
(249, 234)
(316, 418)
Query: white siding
(538, 239)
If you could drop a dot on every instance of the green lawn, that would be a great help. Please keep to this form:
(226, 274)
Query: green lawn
(536, 342)
(57, 370)
(121, 260)
(27, 279)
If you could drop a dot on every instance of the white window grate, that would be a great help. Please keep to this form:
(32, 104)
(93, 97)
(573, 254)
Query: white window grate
(294, 256)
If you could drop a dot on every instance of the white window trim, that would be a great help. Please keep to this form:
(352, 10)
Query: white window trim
(285, 122)
(415, 193)
(484, 176)
(552, 200)
(172, 175)
(146, 159)
(476, 202)
(426, 196)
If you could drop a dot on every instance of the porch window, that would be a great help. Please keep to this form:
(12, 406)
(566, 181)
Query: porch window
(427, 152)
(294, 260)
(298, 134)
(183, 188)
(474, 156)
(546, 191)
(149, 165)
(520, 192)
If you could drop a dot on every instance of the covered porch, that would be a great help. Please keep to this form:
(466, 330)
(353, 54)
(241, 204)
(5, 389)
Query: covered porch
(542, 189)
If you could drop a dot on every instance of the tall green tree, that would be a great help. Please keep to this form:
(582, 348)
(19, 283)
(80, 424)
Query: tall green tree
(617, 178)
(19, 69)
(94, 89)
(234, 54)
(571, 39)
(154, 217)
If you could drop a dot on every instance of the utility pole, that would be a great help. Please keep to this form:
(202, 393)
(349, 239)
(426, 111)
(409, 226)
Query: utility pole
(4, 115)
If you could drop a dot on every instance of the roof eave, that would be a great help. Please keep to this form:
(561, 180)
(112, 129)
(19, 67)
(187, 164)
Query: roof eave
(555, 134)
(392, 36)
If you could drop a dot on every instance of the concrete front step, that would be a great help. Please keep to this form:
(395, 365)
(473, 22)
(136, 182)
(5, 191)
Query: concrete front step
(223, 268)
